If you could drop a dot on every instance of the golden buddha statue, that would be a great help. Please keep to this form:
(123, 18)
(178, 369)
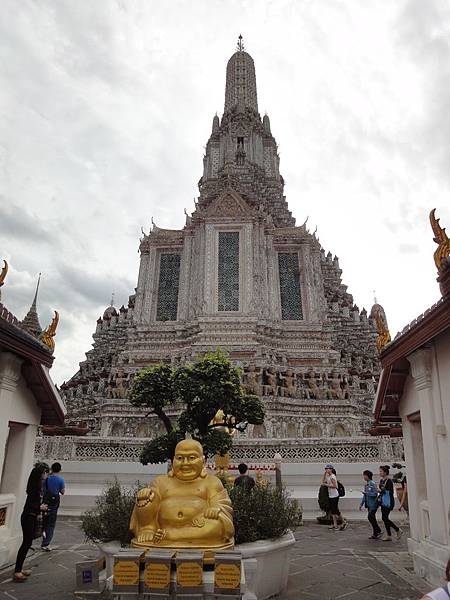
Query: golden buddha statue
(187, 508)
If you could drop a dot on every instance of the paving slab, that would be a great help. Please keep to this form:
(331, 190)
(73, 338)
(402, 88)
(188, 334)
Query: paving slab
(325, 565)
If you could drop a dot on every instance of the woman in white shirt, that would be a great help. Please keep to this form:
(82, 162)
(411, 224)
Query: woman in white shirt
(330, 480)
(442, 593)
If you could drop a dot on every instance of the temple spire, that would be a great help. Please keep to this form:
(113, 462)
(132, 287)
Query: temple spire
(31, 320)
(241, 80)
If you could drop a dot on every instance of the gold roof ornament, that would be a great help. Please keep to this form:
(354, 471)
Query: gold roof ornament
(49, 333)
(442, 252)
(3, 274)
(383, 336)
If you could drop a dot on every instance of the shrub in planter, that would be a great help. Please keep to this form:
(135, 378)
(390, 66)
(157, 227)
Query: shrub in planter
(264, 513)
(110, 518)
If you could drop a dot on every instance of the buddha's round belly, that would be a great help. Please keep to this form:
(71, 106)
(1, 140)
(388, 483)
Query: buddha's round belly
(176, 512)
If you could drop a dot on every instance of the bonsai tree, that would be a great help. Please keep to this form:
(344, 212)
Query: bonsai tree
(203, 388)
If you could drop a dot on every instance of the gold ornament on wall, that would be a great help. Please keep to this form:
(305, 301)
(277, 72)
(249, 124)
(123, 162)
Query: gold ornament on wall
(49, 333)
(3, 274)
(442, 252)
(383, 336)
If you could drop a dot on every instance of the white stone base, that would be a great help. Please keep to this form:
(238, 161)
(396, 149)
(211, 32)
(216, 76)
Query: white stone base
(430, 560)
(272, 565)
(265, 573)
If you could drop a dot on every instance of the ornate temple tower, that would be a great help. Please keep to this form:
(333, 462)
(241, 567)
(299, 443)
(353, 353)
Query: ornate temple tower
(242, 276)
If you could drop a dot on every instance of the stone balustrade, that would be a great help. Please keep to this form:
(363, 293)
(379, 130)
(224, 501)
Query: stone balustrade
(339, 450)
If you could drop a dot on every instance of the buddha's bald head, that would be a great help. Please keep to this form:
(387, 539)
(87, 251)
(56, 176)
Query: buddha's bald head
(189, 445)
(188, 461)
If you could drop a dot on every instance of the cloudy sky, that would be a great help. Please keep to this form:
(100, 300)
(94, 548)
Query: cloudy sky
(105, 108)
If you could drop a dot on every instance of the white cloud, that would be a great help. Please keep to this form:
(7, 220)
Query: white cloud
(105, 108)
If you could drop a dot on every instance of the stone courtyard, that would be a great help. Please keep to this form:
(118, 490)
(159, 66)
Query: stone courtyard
(325, 565)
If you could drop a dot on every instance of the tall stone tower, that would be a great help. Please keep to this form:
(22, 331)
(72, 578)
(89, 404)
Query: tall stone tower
(242, 276)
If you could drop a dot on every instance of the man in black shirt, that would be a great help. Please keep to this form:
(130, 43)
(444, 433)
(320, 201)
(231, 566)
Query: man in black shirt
(245, 481)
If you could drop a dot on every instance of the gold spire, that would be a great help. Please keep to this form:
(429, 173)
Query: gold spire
(49, 333)
(383, 336)
(3, 274)
(442, 252)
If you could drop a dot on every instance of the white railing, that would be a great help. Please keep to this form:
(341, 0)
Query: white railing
(355, 449)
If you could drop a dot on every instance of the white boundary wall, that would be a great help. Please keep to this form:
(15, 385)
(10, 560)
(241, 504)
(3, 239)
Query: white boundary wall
(85, 481)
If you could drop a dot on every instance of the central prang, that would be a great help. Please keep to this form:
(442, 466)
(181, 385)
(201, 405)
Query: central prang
(187, 508)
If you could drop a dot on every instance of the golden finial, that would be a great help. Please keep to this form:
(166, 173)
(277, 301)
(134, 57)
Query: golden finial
(383, 335)
(3, 274)
(442, 252)
(49, 333)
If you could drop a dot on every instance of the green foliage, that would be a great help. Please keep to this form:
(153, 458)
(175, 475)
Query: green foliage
(110, 518)
(263, 513)
(154, 387)
(161, 448)
(203, 387)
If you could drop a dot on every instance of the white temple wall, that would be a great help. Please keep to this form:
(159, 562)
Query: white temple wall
(425, 412)
(19, 420)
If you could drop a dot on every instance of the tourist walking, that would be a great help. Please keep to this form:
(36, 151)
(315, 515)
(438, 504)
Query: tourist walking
(442, 593)
(370, 501)
(244, 481)
(31, 510)
(387, 503)
(54, 488)
(330, 480)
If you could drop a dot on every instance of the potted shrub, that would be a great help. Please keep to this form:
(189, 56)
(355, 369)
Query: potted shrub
(107, 524)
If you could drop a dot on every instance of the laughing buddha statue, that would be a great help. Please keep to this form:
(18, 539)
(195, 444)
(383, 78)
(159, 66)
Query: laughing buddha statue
(187, 508)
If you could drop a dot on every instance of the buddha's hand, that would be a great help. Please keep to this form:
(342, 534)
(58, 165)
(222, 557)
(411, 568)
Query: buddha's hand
(159, 535)
(145, 496)
(212, 513)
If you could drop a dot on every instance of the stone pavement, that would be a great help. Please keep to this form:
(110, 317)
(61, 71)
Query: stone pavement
(324, 565)
(327, 565)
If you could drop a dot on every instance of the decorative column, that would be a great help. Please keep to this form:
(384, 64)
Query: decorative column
(422, 371)
(10, 373)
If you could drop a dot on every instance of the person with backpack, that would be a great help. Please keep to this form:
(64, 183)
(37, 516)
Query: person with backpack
(54, 488)
(335, 490)
(370, 501)
(387, 503)
(34, 505)
(442, 593)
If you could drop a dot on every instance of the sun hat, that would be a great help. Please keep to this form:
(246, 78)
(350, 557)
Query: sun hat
(329, 466)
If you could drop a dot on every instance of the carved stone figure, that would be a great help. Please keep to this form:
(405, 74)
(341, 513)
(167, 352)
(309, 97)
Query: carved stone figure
(288, 387)
(313, 383)
(335, 390)
(271, 387)
(120, 384)
(252, 379)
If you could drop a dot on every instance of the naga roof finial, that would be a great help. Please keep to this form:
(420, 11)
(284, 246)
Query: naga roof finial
(3, 274)
(383, 336)
(442, 252)
(49, 333)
